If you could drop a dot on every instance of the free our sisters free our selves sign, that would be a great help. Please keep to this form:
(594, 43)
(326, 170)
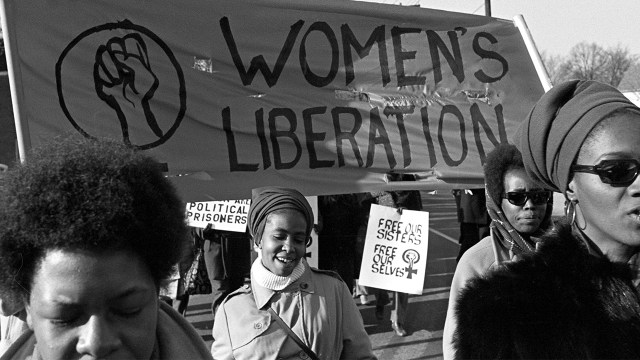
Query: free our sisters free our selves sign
(395, 250)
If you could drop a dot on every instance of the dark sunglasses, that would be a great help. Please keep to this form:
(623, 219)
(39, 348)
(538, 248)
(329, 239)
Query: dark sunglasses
(519, 198)
(620, 172)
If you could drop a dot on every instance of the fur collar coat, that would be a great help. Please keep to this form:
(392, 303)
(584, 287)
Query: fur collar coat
(559, 302)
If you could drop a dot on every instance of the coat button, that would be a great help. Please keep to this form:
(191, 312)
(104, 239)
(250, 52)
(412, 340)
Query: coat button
(304, 286)
(303, 355)
(257, 326)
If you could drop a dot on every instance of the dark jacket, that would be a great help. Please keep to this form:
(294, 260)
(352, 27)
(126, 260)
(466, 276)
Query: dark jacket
(560, 302)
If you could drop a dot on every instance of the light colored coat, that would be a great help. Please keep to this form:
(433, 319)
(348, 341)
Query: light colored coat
(476, 261)
(318, 307)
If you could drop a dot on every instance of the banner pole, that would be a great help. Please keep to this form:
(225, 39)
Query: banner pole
(533, 52)
(10, 44)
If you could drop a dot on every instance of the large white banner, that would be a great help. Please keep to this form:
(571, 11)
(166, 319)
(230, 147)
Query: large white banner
(395, 250)
(326, 97)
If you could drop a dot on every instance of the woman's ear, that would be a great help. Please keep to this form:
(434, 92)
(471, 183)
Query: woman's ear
(253, 242)
(570, 194)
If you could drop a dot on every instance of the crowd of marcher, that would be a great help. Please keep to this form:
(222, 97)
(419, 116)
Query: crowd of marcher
(94, 250)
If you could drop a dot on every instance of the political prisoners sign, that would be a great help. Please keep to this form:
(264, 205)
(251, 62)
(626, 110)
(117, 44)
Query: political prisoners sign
(395, 251)
(230, 215)
(231, 95)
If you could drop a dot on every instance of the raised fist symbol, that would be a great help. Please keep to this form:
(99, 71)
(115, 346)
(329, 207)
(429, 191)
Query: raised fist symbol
(124, 80)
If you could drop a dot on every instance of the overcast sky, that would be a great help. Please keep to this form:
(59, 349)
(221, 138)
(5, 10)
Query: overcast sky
(558, 25)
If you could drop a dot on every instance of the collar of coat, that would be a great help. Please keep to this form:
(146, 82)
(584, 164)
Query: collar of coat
(262, 295)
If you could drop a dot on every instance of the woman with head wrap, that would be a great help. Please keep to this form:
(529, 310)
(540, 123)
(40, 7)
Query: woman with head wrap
(290, 309)
(520, 212)
(576, 295)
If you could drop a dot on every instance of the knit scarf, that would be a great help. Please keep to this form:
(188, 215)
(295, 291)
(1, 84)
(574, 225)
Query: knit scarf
(265, 278)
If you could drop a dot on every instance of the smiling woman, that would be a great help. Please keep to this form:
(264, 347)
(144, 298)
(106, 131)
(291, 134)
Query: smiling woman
(289, 310)
(89, 232)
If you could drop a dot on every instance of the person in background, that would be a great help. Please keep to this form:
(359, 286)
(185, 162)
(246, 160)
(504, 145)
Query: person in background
(361, 217)
(473, 218)
(227, 258)
(171, 292)
(289, 309)
(12, 320)
(337, 235)
(520, 212)
(89, 232)
(576, 296)
(12, 313)
(410, 200)
(174, 292)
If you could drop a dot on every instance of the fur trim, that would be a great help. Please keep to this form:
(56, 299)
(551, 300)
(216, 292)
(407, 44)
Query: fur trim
(559, 302)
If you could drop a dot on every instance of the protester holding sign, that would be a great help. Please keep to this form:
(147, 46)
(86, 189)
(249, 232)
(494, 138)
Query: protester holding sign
(227, 258)
(520, 212)
(576, 296)
(89, 232)
(289, 310)
(409, 200)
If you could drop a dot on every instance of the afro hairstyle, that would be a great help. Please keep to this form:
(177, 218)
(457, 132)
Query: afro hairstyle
(503, 158)
(88, 195)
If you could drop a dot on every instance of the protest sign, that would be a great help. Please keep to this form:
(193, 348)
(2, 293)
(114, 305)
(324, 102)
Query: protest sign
(395, 250)
(230, 215)
(233, 95)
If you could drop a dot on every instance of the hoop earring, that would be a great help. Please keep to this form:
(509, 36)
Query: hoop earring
(576, 218)
(570, 210)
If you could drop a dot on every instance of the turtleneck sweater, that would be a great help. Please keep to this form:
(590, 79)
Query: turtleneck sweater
(265, 278)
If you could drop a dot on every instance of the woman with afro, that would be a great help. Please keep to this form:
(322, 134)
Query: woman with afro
(520, 211)
(89, 230)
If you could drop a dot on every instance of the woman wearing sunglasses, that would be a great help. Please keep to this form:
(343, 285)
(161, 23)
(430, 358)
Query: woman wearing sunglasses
(520, 211)
(576, 296)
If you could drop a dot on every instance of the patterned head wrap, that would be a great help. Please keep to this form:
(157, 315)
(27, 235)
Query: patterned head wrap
(268, 199)
(507, 236)
(551, 136)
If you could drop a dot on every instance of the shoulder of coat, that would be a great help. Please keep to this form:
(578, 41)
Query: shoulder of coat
(242, 290)
(326, 272)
